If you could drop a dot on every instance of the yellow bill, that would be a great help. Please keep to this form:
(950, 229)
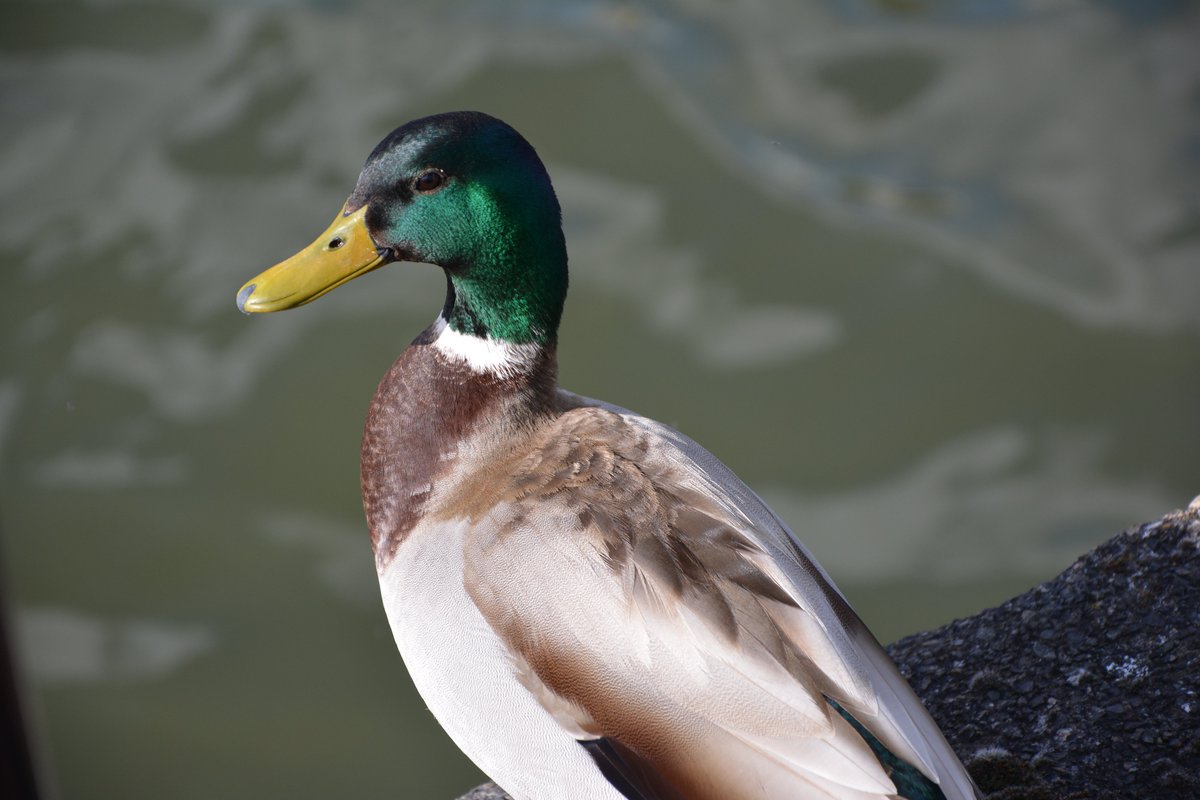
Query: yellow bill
(343, 252)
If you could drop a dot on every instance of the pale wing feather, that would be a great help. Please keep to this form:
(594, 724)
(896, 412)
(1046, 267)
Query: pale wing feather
(873, 688)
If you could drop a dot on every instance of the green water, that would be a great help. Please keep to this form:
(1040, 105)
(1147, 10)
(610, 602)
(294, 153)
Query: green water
(924, 273)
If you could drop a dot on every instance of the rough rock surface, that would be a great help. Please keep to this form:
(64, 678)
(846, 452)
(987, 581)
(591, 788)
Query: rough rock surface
(1087, 686)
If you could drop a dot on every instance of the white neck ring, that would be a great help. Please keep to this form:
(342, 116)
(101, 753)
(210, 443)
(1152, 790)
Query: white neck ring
(483, 355)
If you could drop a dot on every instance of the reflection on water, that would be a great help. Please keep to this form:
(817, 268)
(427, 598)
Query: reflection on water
(108, 470)
(64, 647)
(337, 546)
(996, 502)
(924, 273)
(619, 225)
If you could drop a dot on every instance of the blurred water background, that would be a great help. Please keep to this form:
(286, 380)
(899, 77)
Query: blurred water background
(925, 273)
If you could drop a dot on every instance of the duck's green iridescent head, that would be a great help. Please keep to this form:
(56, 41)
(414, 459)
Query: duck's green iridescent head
(460, 190)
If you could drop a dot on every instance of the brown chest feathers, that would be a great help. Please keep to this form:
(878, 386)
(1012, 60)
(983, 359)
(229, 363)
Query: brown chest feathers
(425, 408)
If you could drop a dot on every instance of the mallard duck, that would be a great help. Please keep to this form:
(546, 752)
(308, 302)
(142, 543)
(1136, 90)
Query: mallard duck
(590, 603)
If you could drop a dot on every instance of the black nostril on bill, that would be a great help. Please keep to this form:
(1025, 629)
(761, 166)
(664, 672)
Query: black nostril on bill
(335, 243)
(244, 295)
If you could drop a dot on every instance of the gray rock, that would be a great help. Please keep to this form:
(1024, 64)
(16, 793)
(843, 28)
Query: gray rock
(1087, 686)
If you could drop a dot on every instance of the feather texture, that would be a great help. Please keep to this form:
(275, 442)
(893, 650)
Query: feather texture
(648, 600)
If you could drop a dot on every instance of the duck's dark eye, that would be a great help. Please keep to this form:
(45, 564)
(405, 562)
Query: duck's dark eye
(429, 180)
(335, 243)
